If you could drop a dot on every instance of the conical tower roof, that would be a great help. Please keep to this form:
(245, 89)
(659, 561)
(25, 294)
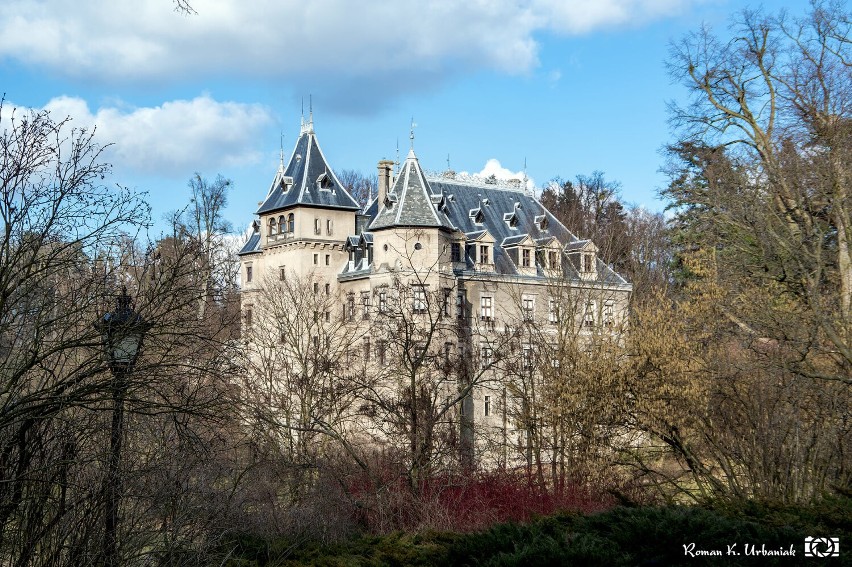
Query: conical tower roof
(410, 201)
(307, 179)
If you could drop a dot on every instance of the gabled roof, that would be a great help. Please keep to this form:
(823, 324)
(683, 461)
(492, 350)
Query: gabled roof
(517, 240)
(410, 203)
(547, 241)
(578, 245)
(307, 179)
(476, 235)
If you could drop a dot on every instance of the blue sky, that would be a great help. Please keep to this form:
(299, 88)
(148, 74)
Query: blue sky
(570, 87)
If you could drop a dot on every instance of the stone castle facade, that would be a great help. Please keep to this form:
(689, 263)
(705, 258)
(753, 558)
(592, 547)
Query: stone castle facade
(452, 290)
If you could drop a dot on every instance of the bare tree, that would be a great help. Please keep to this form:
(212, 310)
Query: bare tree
(67, 247)
(772, 104)
(361, 187)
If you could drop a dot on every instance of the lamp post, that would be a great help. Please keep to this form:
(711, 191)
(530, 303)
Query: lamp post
(122, 332)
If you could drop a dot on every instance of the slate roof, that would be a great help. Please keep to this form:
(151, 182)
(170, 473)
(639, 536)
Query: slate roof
(494, 203)
(576, 245)
(514, 240)
(410, 202)
(313, 181)
(252, 245)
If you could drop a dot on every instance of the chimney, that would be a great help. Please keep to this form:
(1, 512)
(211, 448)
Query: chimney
(385, 167)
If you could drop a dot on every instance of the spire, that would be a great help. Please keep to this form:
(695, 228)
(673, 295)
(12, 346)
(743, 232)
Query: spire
(281, 164)
(411, 135)
(307, 127)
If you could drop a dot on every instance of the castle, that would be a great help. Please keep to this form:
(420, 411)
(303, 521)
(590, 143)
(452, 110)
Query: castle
(447, 290)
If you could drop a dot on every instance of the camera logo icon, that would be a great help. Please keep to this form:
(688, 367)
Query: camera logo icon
(822, 546)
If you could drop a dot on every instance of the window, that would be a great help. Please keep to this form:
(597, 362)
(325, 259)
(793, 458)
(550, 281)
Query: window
(525, 258)
(552, 260)
(419, 352)
(487, 406)
(248, 316)
(445, 301)
(328, 226)
(527, 357)
(380, 352)
(587, 263)
(365, 304)
(419, 303)
(483, 255)
(487, 356)
(271, 227)
(327, 316)
(316, 287)
(486, 308)
(328, 289)
(528, 307)
(327, 259)
(316, 259)
(589, 315)
(553, 311)
(455, 252)
(282, 273)
(383, 301)
(461, 302)
(316, 341)
(249, 274)
(317, 226)
(366, 349)
(448, 353)
(608, 313)
(350, 306)
(291, 223)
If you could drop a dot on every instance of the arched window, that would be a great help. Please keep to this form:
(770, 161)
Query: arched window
(291, 223)
(271, 226)
(282, 224)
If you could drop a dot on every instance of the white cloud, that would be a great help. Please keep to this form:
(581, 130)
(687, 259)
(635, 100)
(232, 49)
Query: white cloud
(580, 16)
(175, 138)
(495, 168)
(318, 39)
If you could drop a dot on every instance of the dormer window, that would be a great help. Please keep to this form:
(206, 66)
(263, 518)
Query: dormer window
(541, 222)
(552, 259)
(511, 219)
(477, 216)
(255, 227)
(526, 261)
(484, 255)
(324, 181)
(587, 262)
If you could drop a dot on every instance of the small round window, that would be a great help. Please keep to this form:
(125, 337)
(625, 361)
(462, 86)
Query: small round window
(418, 246)
(385, 248)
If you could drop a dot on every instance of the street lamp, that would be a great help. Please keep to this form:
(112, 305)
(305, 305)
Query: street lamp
(122, 332)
